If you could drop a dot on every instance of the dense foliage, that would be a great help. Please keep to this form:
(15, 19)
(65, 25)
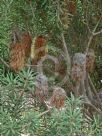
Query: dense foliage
(76, 19)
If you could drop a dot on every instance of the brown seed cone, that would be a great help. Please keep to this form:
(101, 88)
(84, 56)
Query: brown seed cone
(41, 88)
(72, 7)
(20, 52)
(58, 97)
(76, 74)
(15, 35)
(26, 41)
(38, 49)
(62, 67)
(90, 60)
(17, 60)
(78, 68)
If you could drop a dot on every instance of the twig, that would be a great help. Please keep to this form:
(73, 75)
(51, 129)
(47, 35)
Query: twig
(87, 26)
(3, 62)
(29, 65)
(43, 113)
(33, 15)
(32, 10)
(86, 23)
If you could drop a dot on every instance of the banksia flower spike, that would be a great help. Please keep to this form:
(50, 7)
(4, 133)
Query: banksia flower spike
(20, 51)
(38, 49)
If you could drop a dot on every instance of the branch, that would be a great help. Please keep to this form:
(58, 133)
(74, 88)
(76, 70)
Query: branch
(97, 24)
(87, 26)
(94, 107)
(97, 33)
(92, 35)
(94, 91)
(88, 88)
(66, 53)
(63, 41)
(88, 102)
